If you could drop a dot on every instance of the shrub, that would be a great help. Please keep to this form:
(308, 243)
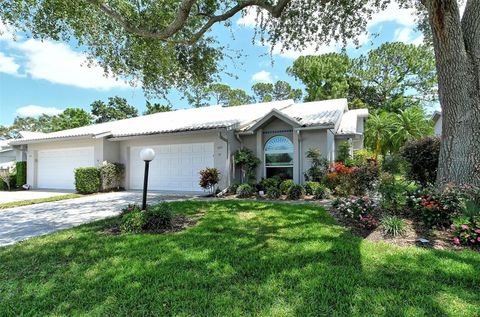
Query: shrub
(318, 166)
(343, 152)
(244, 191)
(267, 183)
(320, 192)
(111, 175)
(285, 185)
(340, 180)
(248, 162)
(273, 193)
(295, 192)
(232, 189)
(422, 158)
(364, 176)
(393, 225)
(368, 221)
(437, 207)
(354, 207)
(209, 178)
(21, 178)
(360, 156)
(393, 191)
(133, 221)
(87, 180)
(8, 179)
(466, 231)
(310, 187)
(159, 216)
(393, 164)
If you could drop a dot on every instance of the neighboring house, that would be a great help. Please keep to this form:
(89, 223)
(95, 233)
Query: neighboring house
(186, 141)
(7, 153)
(437, 123)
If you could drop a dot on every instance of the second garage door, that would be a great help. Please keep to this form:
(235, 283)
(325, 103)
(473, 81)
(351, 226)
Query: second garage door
(175, 167)
(56, 167)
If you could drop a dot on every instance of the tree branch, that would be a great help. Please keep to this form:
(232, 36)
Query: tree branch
(182, 16)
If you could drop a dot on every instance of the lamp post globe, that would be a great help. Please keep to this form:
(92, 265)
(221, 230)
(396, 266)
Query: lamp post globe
(147, 155)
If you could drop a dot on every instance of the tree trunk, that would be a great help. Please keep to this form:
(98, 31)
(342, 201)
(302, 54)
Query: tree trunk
(457, 52)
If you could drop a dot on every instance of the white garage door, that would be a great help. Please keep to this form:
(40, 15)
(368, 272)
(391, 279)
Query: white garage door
(175, 167)
(56, 167)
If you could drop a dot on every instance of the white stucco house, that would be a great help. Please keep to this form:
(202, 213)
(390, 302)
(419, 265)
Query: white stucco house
(186, 141)
(437, 123)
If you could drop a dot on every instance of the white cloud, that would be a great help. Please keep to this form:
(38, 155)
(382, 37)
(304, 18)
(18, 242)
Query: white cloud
(393, 13)
(35, 111)
(262, 76)
(8, 65)
(6, 32)
(59, 64)
(249, 18)
(407, 35)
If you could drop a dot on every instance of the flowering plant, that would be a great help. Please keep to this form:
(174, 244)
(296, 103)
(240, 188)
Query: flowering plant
(466, 231)
(355, 207)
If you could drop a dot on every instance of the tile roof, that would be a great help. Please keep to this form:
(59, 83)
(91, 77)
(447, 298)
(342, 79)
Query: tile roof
(319, 113)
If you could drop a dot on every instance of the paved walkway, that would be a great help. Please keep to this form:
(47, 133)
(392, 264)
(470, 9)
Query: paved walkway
(21, 223)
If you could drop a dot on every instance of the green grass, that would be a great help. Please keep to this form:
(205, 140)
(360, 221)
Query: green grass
(242, 259)
(38, 201)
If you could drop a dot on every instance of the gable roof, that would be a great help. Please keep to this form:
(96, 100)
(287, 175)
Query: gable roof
(319, 113)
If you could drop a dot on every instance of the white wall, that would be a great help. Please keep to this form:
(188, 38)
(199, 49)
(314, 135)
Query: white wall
(437, 128)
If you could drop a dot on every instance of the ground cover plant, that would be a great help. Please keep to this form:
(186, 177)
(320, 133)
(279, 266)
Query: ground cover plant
(244, 258)
(38, 201)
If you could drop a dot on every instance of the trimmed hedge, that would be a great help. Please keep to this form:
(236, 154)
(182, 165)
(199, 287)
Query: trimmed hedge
(21, 168)
(87, 180)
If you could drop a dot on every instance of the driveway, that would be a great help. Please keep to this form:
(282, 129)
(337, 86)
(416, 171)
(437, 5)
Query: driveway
(8, 197)
(21, 223)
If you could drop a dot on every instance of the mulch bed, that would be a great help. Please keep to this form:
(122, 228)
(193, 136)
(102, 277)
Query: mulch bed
(179, 223)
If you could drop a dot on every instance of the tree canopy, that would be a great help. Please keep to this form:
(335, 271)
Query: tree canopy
(156, 107)
(280, 90)
(116, 108)
(391, 77)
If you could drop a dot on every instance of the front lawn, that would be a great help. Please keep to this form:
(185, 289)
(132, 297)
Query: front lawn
(244, 258)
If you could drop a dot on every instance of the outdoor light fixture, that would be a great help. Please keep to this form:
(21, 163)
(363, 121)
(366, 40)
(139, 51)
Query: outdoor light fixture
(147, 155)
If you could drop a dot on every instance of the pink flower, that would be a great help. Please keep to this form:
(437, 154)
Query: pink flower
(465, 227)
(456, 240)
(477, 231)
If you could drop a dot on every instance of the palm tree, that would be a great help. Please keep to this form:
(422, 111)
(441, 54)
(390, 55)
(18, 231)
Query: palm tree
(378, 132)
(411, 124)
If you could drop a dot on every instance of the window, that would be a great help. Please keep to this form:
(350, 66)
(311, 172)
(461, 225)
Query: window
(279, 157)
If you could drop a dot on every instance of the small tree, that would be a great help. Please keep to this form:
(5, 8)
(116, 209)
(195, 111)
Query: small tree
(7, 175)
(319, 166)
(248, 162)
(343, 152)
(422, 157)
(209, 178)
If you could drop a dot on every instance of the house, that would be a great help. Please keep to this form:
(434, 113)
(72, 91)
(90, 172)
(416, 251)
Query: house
(186, 141)
(437, 123)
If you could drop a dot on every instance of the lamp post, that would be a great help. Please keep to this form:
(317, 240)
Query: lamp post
(147, 155)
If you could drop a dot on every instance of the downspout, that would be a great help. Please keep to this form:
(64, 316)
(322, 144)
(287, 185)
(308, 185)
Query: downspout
(300, 157)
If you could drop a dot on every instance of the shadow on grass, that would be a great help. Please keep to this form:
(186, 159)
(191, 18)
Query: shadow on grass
(242, 259)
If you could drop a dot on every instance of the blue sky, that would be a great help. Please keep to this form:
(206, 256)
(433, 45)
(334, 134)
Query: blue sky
(46, 77)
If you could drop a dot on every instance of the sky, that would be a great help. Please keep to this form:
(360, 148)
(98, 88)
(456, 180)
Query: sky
(46, 77)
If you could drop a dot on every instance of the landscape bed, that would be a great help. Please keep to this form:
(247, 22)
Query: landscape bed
(242, 258)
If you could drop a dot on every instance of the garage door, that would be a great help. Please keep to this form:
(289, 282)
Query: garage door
(56, 167)
(175, 167)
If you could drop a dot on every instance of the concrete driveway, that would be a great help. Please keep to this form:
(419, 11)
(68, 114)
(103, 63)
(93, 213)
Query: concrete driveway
(21, 223)
(8, 197)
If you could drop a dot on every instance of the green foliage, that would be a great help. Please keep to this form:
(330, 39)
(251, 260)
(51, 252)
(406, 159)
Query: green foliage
(285, 185)
(393, 225)
(273, 192)
(365, 176)
(344, 152)
(320, 192)
(8, 179)
(295, 192)
(393, 164)
(310, 187)
(272, 182)
(232, 189)
(21, 173)
(226, 96)
(158, 217)
(387, 132)
(360, 156)
(319, 165)
(393, 192)
(133, 221)
(87, 180)
(116, 108)
(422, 158)
(354, 207)
(248, 162)
(466, 231)
(209, 178)
(244, 191)
(111, 175)
(281, 90)
(156, 107)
